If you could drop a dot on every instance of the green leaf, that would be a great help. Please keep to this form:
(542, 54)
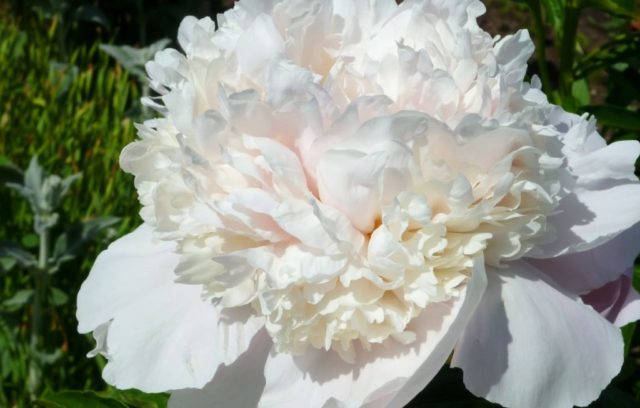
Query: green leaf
(615, 117)
(57, 297)
(63, 75)
(77, 399)
(581, 92)
(14, 251)
(70, 244)
(9, 172)
(134, 59)
(33, 176)
(613, 397)
(18, 300)
(625, 8)
(54, 189)
(24, 191)
(92, 14)
(7, 263)
(139, 399)
(30, 241)
(554, 12)
(627, 334)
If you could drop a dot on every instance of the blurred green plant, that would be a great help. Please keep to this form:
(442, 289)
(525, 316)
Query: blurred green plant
(75, 114)
(44, 194)
(134, 59)
(580, 64)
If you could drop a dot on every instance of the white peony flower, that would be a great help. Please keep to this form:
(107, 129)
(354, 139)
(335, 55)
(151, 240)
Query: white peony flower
(338, 193)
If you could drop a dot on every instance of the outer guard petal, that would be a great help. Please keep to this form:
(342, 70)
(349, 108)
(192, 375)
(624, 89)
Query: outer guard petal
(586, 219)
(532, 345)
(238, 385)
(157, 334)
(585, 271)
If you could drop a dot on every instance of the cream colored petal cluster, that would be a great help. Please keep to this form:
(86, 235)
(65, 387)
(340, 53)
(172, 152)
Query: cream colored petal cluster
(340, 166)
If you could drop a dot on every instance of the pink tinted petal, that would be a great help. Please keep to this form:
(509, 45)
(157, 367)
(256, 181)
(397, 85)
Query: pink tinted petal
(347, 181)
(157, 335)
(630, 310)
(531, 345)
(238, 385)
(585, 271)
(380, 377)
(618, 301)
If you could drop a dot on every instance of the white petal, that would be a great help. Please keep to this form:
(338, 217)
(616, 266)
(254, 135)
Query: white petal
(380, 377)
(259, 44)
(615, 161)
(584, 271)
(531, 345)
(588, 218)
(513, 52)
(238, 385)
(161, 334)
(347, 181)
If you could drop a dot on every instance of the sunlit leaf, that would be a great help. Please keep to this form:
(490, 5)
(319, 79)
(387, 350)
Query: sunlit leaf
(77, 399)
(581, 92)
(138, 399)
(554, 12)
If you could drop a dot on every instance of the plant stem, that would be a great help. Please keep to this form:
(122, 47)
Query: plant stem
(40, 275)
(568, 51)
(541, 52)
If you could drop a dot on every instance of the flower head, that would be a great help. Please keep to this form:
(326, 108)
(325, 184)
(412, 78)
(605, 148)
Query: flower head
(358, 186)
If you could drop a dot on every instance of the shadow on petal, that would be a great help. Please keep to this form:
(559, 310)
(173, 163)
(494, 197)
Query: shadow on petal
(239, 385)
(482, 350)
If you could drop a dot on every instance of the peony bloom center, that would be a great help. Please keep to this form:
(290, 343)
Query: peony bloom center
(300, 184)
(344, 239)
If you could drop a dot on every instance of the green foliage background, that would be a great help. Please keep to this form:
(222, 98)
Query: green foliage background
(70, 104)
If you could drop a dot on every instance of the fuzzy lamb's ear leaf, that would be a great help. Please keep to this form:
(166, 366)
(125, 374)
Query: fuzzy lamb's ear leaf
(134, 59)
(15, 252)
(19, 299)
(77, 237)
(54, 189)
(34, 174)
